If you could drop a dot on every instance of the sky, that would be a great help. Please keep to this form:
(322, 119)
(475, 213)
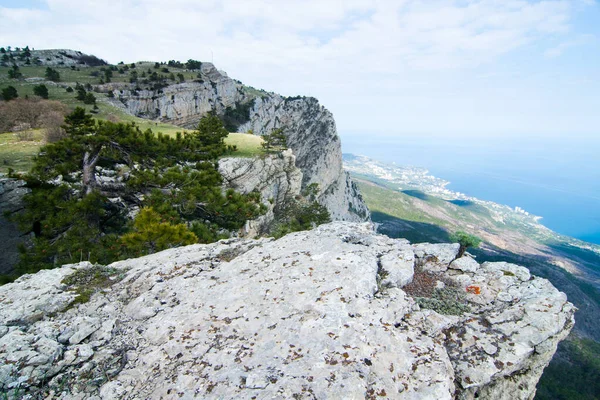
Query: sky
(464, 68)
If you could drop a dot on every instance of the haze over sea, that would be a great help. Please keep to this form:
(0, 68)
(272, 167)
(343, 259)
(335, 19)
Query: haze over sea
(557, 178)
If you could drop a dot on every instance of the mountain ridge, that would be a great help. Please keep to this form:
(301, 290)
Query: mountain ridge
(162, 97)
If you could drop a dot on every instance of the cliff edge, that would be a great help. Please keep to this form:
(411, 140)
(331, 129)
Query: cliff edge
(336, 311)
(309, 127)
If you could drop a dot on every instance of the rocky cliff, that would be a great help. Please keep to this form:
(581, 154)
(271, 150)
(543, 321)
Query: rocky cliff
(336, 312)
(309, 127)
(311, 133)
(275, 177)
(182, 104)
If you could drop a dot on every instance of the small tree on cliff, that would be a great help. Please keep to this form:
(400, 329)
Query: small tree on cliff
(465, 241)
(274, 141)
(301, 213)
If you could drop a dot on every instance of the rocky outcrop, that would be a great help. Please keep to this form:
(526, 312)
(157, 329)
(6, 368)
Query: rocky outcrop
(309, 128)
(53, 58)
(275, 177)
(311, 134)
(336, 312)
(11, 200)
(185, 103)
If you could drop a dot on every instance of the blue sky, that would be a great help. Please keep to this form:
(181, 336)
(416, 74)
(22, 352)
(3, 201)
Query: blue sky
(406, 67)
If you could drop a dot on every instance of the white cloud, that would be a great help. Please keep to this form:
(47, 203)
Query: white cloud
(403, 31)
(560, 48)
(329, 48)
(20, 15)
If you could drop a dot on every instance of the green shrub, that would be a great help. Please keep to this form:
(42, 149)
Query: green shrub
(152, 233)
(89, 98)
(15, 73)
(235, 116)
(9, 93)
(52, 75)
(465, 240)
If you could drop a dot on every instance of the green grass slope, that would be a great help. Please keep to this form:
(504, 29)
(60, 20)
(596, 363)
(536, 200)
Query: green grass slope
(18, 154)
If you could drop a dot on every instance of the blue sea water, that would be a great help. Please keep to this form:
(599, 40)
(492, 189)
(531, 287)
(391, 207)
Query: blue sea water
(557, 178)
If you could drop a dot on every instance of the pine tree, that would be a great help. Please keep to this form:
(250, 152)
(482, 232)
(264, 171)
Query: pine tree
(15, 72)
(70, 212)
(465, 241)
(41, 91)
(52, 74)
(274, 141)
(9, 93)
(152, 233)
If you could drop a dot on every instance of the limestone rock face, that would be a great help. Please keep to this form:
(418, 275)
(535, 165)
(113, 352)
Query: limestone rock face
(305, 316)
(11, 200)
(276, 177)
(309, 128)
(466, 264)
(436, 257)
(311, 134)
(182, 104)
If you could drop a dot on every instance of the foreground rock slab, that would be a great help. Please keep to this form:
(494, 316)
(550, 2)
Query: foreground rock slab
(312, 315)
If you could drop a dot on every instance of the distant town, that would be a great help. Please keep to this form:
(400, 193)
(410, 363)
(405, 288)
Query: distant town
(403, 178)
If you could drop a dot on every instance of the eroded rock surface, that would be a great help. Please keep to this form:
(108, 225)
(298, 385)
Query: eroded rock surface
(53, 58)
(275, 177)
(315, 314)
(312, 135)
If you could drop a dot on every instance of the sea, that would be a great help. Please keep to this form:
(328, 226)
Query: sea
(556, 178)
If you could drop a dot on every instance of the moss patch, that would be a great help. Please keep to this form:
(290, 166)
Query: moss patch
(448, 301)
(87, 281)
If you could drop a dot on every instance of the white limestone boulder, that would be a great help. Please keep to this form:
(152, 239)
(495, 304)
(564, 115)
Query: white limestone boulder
(305, 316)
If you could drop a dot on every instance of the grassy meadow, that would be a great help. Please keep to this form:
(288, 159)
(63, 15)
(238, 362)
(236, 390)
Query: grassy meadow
(17, 150)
